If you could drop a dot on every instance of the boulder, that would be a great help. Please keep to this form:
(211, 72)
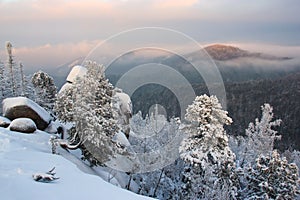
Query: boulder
(4, 122)
(19, 107)
(76, 72)
(23, 125)
(123, 110)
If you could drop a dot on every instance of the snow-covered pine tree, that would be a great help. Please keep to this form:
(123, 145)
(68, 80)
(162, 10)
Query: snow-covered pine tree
(64, 105)
(206, 149)
(11, 67)
(2, 81)
(259, 139)
(89, 107)
(271, 177)
(26, 89)
(44, 89)
(156, 134)
(13, 79)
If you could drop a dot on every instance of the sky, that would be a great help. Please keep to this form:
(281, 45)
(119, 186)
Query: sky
(49, 33)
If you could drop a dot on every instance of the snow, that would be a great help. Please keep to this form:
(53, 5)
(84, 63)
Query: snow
(22, 156)
(53, 126)
(121, 139)
(23, 101)
(4, 122)
(76, 72)
(124, 101)
(65, 87)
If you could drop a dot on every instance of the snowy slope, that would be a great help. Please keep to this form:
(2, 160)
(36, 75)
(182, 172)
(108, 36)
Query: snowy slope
(22, 155)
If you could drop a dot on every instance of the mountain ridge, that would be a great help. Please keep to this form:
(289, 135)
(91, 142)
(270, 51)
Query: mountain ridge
(224, 52)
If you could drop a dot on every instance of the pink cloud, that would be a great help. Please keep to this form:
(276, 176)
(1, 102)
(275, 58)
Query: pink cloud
(37, 10)
(50, 55)
(55, 9)
(175, 3)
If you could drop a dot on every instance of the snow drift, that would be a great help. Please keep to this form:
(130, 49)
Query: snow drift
(22, 156)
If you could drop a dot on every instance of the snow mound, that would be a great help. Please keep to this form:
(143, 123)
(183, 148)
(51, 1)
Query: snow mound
(22, 156)
(54, 127)
(4, 122)
(24, 125)
(76, 72)
(121, 139)
(65, 87)
(18, 107)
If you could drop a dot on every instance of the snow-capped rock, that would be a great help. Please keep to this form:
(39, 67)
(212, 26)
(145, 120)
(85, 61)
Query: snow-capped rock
(65, 87)
(123, 107)
(76, 72)
(4, 122)
(23, 125)
(18, 107)
(124, 103)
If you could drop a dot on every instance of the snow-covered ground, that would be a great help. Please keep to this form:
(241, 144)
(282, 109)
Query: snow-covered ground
(22, 155)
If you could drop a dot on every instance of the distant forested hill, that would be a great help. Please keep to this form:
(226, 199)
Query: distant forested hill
(243, 104)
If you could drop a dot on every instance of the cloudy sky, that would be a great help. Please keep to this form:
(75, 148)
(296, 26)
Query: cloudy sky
(48, 33)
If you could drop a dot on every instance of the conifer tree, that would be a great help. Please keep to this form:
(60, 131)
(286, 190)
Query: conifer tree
(2, 81)
(44, 89)
(11, 67)
(259, 138)
(87, 104)
(206, 149)
(94, 118)
(272, 177)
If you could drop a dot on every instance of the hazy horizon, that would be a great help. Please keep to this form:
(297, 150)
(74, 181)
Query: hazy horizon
(50, 33)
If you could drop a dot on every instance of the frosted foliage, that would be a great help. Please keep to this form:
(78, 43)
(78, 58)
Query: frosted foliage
(207, 110)
(212, 171)
(45, 90)
(272, 177)
(94, 121)
(156, 138)
(206, 142)
(261, 133)
(296, 158)
(2, 81)
(13, 82)
(64, 105)
(260, 137)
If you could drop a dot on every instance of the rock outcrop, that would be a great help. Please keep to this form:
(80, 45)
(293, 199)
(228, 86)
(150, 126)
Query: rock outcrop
(22, 107)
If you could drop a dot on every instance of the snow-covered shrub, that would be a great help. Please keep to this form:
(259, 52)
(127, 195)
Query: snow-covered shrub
(206, 149)
(271, 177)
